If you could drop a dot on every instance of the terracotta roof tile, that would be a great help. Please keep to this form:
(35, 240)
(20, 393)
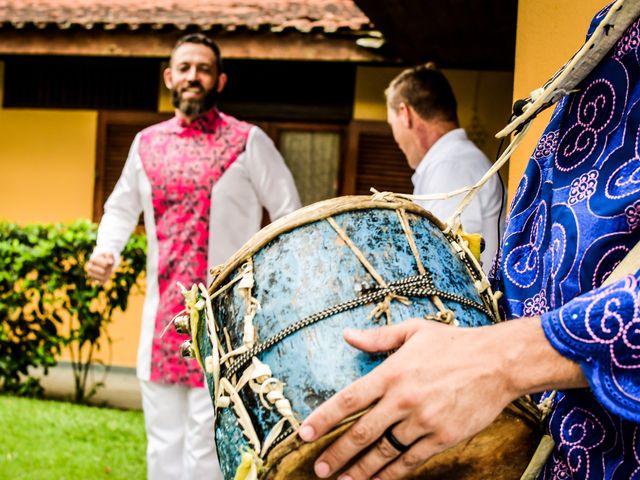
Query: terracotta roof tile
(276, 15)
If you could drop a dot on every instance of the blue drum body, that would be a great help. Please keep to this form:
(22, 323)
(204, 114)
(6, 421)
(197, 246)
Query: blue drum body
(304, 267)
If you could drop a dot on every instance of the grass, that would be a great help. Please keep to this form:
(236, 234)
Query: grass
(51, 440)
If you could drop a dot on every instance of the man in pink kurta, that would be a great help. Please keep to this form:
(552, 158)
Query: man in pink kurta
(201, 180)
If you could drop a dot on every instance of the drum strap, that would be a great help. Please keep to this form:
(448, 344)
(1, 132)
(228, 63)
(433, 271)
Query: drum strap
(611, 28)
(630, 264)
(413, 286)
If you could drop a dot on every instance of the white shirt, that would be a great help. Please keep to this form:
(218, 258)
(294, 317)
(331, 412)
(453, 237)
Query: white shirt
(258, 178)
(454, 162)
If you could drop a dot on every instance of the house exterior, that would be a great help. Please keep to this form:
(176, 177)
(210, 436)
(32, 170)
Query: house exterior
(78, 79)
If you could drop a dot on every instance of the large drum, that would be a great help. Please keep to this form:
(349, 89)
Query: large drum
(268, 331)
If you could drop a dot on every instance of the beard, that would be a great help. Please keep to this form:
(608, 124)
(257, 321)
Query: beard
(192, 108)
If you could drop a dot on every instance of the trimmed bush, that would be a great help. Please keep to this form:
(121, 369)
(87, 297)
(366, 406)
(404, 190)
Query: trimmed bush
(47, 302)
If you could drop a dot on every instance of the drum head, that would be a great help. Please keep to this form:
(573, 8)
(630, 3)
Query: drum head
(282, 302)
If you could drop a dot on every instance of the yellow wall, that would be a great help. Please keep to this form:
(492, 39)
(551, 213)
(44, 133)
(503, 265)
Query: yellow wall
(549, 33)
(47, 164)
(164, 99)
(47, 160)
(493, 90)
(125, 333)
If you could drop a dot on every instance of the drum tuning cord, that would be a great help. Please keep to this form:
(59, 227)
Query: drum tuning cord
(413, 286)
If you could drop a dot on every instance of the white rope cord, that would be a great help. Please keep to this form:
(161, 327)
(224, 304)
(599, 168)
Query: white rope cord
(384, 307)
(545, 406)
(454, 221)
(252, 306)
(212, 362)
(446, 315)
(257, 375)
(389, 196)
(231, 282)
(244, 420)
(358, 253)
(611, 28)
(461, 248)
(227, 339)
(271, 393)
(481, 284)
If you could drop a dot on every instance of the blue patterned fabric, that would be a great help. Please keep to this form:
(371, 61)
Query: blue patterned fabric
(574, 217)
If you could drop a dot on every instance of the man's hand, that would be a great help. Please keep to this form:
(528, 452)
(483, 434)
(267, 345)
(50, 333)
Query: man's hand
(100, 267)
(443, 385)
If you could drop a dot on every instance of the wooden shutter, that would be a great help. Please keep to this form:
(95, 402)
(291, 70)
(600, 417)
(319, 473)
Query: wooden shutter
(116, 131)
(374, 160)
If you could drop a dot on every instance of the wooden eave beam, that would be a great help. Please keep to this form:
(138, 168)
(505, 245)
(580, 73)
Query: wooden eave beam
(158, 44)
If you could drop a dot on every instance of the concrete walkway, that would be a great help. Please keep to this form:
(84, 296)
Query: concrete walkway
(121, 387)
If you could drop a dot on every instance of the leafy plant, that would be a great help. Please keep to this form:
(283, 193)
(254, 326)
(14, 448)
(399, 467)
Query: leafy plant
(47, 301)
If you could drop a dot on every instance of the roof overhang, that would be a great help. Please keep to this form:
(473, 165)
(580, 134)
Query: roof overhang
(248, 45)
(245, 29)
(480, 34)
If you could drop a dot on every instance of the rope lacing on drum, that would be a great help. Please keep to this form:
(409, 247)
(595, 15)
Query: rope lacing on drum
(413, 286)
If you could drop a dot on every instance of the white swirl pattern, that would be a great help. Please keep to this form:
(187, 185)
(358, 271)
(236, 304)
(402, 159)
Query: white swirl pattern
(575, 215)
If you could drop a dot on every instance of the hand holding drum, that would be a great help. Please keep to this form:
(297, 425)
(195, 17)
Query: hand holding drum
(442, 386)
(269, 334)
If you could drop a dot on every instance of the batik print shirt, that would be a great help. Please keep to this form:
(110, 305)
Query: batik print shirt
(202, 187)
(574, 217)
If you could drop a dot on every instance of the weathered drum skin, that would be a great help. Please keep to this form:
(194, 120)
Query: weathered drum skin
(308, 269)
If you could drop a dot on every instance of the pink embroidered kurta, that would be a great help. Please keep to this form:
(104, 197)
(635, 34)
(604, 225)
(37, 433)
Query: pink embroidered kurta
(258, 179)
(183, 162)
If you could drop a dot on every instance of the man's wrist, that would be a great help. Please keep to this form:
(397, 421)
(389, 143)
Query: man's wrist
(530, 364)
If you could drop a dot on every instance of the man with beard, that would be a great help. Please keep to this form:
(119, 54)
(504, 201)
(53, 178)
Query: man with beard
(201, 179)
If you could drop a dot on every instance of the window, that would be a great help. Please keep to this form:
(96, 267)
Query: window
(313, 153)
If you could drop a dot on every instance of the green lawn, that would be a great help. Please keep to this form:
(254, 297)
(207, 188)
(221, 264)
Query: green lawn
(52, 440)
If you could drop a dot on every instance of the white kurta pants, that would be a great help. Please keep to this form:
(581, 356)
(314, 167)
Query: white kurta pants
(180, 433)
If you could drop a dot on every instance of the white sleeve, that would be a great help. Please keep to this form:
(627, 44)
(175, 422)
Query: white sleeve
(122, 209)
(270, 176)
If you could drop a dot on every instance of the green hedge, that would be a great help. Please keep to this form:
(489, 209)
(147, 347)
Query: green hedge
(47, 301)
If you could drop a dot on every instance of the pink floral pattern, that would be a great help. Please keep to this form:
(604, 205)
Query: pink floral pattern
(583, 187)
(632, 212)
(547, 145)
(183, 161)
